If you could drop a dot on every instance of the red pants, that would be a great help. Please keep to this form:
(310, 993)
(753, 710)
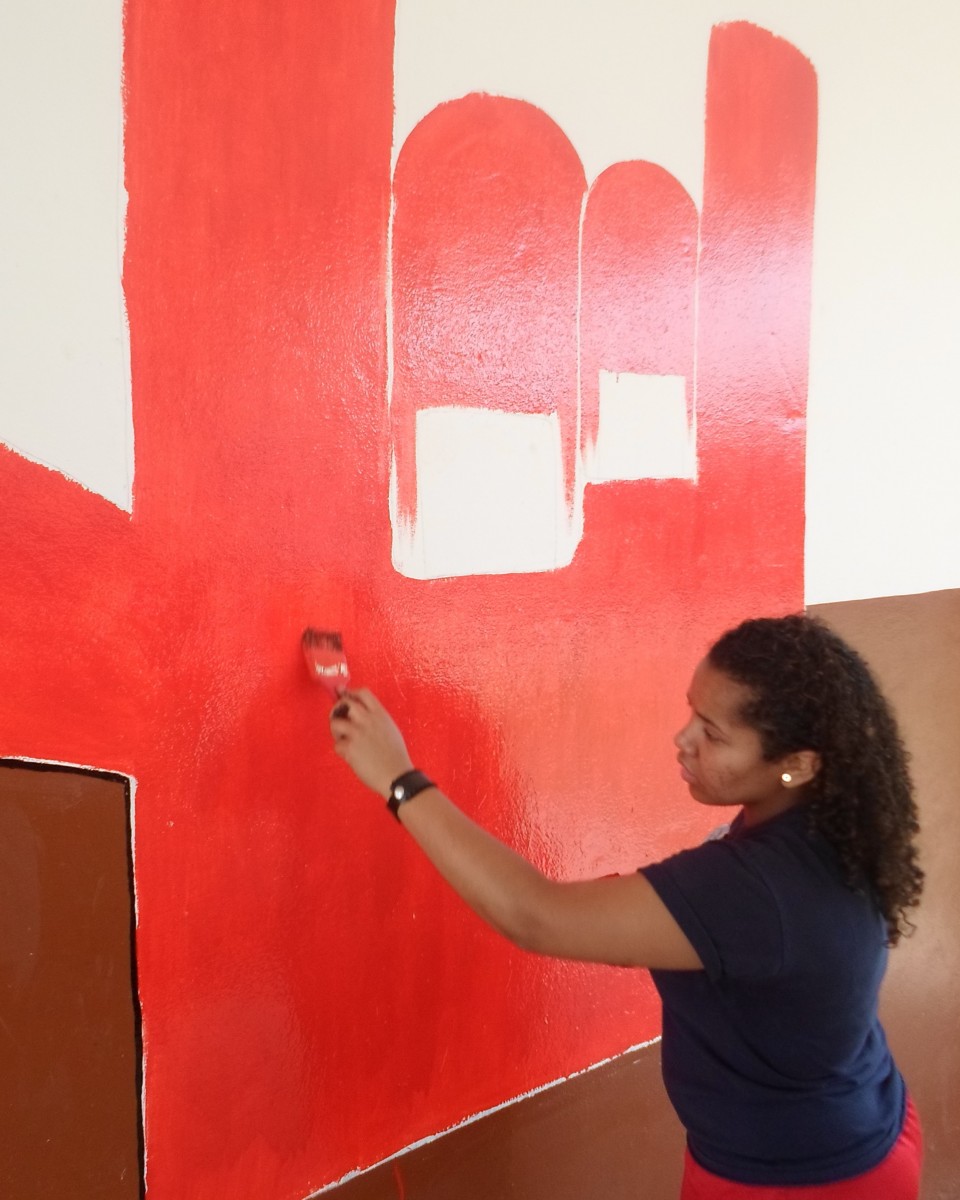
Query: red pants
(896, 1178)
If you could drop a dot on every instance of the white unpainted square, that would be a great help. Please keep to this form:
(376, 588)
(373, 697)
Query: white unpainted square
(643, 430)
(490, 496)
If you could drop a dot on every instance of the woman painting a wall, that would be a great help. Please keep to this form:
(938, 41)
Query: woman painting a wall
(292, 424)
(767, 944)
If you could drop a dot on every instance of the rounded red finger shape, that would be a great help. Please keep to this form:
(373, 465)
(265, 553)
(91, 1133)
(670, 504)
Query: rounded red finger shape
(488, 193)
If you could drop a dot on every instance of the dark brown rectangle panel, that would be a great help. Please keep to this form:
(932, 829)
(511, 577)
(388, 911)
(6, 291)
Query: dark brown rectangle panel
(913, 645)
(69, 1022)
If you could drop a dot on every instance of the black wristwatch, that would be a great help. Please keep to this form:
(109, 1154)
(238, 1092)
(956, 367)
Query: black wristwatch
(405, 787)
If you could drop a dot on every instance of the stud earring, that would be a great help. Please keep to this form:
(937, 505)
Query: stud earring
(787, 777)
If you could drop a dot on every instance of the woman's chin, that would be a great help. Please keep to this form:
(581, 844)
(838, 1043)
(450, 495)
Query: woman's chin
(706, 799)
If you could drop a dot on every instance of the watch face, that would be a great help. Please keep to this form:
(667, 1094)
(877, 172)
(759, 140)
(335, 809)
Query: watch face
(398, 793)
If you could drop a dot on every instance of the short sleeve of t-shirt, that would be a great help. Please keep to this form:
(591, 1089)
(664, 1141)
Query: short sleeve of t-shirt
(719, 898)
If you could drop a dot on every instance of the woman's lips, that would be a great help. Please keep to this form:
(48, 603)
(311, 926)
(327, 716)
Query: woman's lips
(686, 775)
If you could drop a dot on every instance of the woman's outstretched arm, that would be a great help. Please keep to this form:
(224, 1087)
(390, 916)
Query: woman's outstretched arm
(618, 920)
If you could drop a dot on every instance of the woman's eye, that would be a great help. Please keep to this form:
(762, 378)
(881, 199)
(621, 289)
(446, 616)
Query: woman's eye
(710, 735)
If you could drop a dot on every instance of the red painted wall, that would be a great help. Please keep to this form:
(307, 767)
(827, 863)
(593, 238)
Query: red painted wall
(313, 998)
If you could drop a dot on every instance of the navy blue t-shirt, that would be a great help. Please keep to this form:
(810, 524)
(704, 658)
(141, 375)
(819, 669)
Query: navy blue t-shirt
(773, 1055)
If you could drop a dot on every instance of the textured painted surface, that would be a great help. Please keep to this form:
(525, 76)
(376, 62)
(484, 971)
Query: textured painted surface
(313, 999)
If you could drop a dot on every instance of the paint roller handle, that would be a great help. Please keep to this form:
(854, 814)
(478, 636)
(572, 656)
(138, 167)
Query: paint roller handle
(366, 737)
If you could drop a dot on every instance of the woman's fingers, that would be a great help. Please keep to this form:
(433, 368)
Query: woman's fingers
(342, 725)
(363, 699)
(358, 706)
(367, 738)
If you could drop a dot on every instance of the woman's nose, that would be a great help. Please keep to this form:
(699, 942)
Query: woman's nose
(681, 737)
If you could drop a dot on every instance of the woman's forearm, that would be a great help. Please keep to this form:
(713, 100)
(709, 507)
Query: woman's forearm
(496, 882)
(620, 921)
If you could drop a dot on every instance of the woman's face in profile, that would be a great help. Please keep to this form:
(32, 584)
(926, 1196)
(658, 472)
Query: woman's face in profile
(720, 756)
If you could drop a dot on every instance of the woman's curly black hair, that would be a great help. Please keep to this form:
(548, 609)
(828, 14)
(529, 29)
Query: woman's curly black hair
(811, 691)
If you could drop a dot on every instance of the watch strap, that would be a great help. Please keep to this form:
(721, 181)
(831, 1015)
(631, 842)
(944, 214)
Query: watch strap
(405, 787)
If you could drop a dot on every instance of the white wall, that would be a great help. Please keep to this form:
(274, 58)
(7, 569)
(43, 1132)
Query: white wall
(64, 391)
(624, 78)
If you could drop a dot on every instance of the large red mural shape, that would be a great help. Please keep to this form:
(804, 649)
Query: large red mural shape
(639, 280)
(485, 246)
(517, 290)
(313, 999)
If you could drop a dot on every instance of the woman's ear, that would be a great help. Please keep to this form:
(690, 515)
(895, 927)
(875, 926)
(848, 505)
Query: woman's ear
(799, 768)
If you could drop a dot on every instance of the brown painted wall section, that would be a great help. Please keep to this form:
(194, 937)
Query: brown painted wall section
(607, 1134)
(611, 1133)
(913, 644)
(69, 1045)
